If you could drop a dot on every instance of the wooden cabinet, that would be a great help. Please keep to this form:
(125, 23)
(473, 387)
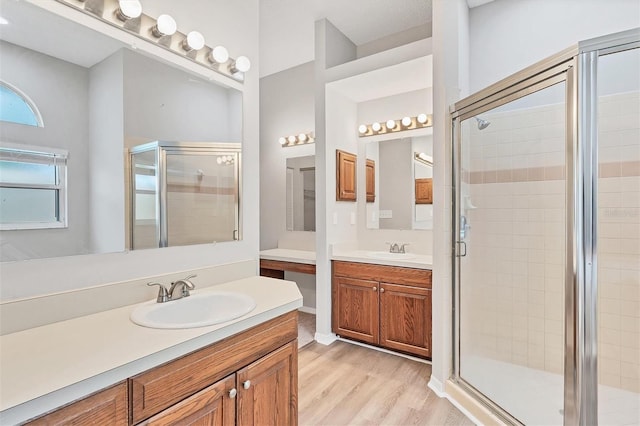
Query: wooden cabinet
(107, 407)
(387, 306)
(250, 378)
(371, 181)
(345, 176)
(424, 191)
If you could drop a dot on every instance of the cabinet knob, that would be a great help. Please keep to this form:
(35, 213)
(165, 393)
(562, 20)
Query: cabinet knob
(381, 290)
(375, 289)
(247, 384)
(232, 393)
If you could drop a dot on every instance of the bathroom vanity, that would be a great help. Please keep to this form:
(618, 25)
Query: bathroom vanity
(103, 369)
(384, 305)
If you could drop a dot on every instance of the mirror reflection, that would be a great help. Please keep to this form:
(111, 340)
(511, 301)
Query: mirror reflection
(301, 193)
(97, 99)
(398, 178)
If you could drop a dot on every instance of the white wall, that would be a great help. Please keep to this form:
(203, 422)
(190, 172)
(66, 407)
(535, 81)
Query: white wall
(234, 25)
(287, 108)
(59, 90)
(506, 36)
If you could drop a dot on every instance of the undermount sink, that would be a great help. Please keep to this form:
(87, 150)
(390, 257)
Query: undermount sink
(197, 310)
(385, 255)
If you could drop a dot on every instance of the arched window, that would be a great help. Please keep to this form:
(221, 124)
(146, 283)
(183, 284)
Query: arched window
(16, 107)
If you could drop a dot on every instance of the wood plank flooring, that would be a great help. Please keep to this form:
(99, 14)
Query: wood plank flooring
(345, 384)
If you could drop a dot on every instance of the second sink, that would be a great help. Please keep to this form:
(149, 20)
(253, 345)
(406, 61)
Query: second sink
(197, 310)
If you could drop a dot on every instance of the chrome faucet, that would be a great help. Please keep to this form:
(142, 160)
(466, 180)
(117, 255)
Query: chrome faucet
(397, 247)
(165, 295)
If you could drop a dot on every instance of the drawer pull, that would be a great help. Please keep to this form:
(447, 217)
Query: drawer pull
(381, 290)
(247, 384)
(232, 393)
(375, 289)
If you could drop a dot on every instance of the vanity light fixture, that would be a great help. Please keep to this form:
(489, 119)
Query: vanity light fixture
(165, 26)
(225, 160)
(128, 9)
(393, 126)
(218, 55)
(293, 140)
(241, 64)
(127, 15)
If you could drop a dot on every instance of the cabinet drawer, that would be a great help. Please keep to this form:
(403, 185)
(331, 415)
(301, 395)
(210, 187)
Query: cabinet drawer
(161, 387)
(107, 407)
(383, 273)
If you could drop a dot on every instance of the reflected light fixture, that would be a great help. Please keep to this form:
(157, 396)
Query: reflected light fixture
(300, 139)
(128, 9)
(218, 55)
(424, 158)
(225, 159)
(393, 126)
(165, 26)
(193, 41)
(3, 21)
(241, 64)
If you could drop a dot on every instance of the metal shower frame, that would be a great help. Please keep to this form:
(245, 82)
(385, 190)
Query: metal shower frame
(577, 66)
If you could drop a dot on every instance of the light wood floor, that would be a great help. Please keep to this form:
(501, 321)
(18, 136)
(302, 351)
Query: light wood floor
(345, 384)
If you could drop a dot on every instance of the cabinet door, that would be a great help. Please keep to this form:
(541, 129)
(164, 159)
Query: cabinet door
(405, 319)
(107, 407)
(345, 176)
(424, 191)
(212, 406)
(355, 309)
(268, 389)
(371, 181)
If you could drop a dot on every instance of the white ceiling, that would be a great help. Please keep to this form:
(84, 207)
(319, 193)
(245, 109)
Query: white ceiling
(287, 26)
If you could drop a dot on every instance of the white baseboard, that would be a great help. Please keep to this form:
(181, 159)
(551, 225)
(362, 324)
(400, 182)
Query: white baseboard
(387, 351)
(325, 339)
(436, 386)
(307, 310)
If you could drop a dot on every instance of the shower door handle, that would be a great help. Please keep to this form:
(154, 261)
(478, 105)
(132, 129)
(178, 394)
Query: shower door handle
(235, 235)
(462, 245)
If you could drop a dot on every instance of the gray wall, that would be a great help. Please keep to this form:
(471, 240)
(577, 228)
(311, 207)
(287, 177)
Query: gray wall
(60, 91)
(287, 107)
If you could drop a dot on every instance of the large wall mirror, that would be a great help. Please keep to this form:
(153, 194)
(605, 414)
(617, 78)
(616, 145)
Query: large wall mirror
(301, 193)
(98, 99)
(399, 165)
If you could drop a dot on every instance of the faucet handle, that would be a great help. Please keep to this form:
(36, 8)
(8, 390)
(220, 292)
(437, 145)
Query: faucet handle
(163, 294)
(402, 246)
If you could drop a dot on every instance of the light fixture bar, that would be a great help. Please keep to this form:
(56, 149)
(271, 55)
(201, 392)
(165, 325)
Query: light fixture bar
(392, 126)
(423, 158)
(162, 32)
(297, 140)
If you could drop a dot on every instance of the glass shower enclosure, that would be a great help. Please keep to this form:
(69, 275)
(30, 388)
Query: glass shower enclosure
(546, 238)
(183, 193)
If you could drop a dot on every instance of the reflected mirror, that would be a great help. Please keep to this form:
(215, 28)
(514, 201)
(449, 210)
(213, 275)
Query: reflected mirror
(398, 176)
(301, 193)
(98, 99)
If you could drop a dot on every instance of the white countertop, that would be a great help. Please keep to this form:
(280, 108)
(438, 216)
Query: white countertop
(414, 260)
(289, 255)
(45, 367)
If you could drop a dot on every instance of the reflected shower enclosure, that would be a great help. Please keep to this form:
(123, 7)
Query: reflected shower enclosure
(183, 193)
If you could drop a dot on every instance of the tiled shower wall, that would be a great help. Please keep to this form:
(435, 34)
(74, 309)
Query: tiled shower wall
(515, 181)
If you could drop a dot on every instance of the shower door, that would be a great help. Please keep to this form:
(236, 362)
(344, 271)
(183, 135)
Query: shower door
(511, 222)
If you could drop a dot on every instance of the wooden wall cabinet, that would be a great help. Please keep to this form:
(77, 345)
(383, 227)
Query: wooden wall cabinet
(250, 378)
(424, 191)
(371, 180)
(345, 176)
(387, 306)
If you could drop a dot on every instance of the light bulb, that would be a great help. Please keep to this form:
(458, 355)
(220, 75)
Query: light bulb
(362, 129)
(128, 9)
(194, 41)
(376, 127)
(422, 118)
(391, 124)
(241, 64)
(406, 121)
(302, 137)
(219, 160)
(282, 140)
(219, 55)
(292, 139)
(165, 26)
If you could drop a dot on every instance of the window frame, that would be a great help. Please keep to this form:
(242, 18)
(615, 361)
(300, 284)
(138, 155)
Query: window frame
(58, 157)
